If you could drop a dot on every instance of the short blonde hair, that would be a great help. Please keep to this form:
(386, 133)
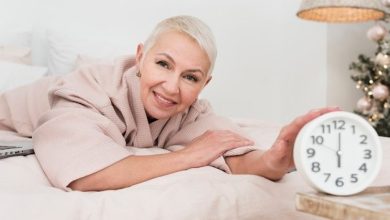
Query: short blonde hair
(193, 27)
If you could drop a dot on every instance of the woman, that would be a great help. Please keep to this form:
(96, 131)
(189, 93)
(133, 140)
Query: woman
(95, 117)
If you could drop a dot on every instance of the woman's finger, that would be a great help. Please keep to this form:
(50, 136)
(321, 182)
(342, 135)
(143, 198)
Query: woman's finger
(291, 130)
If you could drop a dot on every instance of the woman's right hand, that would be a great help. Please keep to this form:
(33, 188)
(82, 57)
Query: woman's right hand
(206, 148)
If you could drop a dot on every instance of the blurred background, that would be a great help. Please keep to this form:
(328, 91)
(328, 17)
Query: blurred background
(272, 66)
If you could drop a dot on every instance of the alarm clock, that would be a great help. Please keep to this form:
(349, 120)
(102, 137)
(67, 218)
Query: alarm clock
(338, 153)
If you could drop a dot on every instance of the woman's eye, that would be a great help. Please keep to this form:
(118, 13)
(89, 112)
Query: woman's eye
(191, 78)
(163, 64)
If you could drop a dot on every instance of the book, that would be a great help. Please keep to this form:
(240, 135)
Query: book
(372, 203)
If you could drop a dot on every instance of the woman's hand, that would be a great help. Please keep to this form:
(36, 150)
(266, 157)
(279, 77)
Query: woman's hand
(279, 158)
(212, 144)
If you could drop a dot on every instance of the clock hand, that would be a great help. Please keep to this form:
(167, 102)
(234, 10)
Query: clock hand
(330, 148)
(339, 152)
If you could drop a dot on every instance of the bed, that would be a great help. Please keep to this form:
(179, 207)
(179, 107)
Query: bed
(202, 193)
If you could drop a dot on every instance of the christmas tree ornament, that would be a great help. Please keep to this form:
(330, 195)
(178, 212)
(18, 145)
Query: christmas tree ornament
(386, 3)
(382, 59)
(364, 104)
(376, 33)
(380, 92)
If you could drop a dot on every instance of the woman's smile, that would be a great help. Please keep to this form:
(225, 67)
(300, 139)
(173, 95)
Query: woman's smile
(163, 101)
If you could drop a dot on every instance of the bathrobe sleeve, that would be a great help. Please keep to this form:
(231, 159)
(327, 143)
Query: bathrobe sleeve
(78, 136)
(198, 120)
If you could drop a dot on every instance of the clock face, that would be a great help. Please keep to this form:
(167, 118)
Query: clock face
(338, 153)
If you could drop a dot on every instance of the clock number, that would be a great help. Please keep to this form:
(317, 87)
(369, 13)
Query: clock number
(353, 129)
(325, 129)
(339, 124)
(354, 178)
(317, 139)
(339, 182)
(311, 152)
(364, 139)
(368, 154)
(363, 167)
(327, 176)
(315, 167)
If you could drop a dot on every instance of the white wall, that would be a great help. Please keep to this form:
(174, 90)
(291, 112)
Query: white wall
(345, 42)
(271, 65)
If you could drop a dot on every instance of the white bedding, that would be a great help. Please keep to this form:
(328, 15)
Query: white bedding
(203, 193)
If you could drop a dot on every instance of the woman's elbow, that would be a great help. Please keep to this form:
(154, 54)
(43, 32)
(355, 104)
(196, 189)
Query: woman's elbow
(91, 183)
(82, 185)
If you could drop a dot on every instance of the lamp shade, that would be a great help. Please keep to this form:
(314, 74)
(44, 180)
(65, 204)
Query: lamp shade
(341, 10)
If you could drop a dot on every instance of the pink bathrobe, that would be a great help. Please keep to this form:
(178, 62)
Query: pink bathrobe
(93, 118)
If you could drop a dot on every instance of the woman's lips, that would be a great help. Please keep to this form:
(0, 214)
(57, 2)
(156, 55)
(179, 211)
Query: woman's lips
(165, 102)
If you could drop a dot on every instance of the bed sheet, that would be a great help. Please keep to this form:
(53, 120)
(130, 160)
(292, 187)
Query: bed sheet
(201, 193)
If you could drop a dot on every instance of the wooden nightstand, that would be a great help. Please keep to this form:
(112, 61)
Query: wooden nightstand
(373, 203)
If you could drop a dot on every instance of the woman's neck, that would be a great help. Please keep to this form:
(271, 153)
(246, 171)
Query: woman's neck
(151, 119)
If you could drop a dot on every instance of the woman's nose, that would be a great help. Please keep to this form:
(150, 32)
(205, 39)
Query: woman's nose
(171, 84)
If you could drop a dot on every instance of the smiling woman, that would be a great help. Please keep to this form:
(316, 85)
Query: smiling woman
(173, 74)
(85, 124)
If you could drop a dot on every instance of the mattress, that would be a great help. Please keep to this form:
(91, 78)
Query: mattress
(200, 193)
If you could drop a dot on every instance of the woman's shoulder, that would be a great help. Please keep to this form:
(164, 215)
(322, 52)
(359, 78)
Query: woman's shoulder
(102, 74)
(201, 106)
(201, 109)
(118, 65)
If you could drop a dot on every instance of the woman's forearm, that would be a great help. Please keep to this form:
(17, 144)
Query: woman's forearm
(254, 163)
(130, 171)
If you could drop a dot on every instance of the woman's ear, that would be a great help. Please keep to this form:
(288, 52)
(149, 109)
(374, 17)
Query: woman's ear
(140, 53)
(208, 80)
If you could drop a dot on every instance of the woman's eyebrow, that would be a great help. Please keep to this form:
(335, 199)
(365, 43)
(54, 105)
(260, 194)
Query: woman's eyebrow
(167, 56)
(173, 61)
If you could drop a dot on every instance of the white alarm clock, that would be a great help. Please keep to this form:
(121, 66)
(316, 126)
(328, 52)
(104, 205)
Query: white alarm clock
(338, 153)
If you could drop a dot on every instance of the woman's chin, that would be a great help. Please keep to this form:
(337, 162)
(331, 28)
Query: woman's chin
(159, 114)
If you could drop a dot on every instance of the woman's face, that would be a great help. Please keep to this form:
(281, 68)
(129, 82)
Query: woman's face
(173, 73)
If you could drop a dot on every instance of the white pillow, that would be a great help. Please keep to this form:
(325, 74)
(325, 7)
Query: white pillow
(15, 46)
(13, 74)
(64, 50)
(19, 38)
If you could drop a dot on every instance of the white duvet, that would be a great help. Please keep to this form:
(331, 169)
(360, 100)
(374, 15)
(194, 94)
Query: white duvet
(203, 193)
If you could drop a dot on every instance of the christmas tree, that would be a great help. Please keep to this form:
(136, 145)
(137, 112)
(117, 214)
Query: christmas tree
(372, 76)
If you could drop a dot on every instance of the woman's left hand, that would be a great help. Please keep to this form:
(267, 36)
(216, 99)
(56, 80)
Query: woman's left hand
(279, 158)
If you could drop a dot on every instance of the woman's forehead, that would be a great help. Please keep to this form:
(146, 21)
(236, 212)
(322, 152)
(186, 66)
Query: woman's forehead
(180, 48)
